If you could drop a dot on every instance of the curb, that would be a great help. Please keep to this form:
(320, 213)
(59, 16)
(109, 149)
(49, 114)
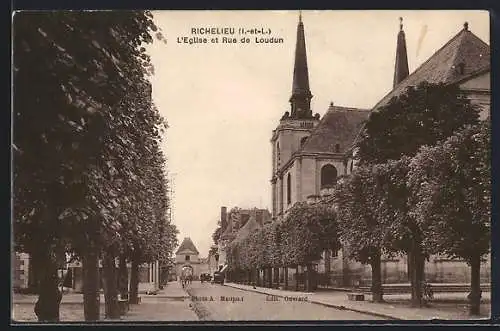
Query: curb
(325, 304)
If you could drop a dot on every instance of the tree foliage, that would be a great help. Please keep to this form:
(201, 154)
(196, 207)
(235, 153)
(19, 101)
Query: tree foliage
(359, 205)
(87, 138)
(217, 233)
(88, 169)
(424, 115)
(299, 239)
(451, 190)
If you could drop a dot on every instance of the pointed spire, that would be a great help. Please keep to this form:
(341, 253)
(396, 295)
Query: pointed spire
(401, 67)
(301, 95)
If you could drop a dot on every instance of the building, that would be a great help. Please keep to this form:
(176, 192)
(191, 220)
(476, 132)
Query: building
(237, 223)
(309, 153)
(20, 263)
(188, 256)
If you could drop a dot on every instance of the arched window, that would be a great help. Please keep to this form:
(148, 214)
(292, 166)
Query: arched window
(288, 189)
(328, 176)
(278, 156)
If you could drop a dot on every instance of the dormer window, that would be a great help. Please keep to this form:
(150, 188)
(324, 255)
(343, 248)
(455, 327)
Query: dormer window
(188, 258)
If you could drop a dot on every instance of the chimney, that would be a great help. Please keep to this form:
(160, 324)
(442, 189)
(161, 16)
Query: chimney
(223, 217)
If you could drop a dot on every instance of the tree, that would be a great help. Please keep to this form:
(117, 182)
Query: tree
(451, 194)
(423, 115)
(71, 135)
(307, 231)
(403, 233)
(357, 199)
(217, 233)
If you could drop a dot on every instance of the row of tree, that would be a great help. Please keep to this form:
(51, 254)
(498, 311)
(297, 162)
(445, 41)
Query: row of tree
(89, 176)
(297, 240)
(422, 187)
(437, 202)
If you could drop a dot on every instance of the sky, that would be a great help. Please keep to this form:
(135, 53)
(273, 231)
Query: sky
(222, 100)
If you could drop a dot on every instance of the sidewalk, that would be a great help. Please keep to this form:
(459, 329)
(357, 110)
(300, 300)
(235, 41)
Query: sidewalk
(446, 306)
(169, 304)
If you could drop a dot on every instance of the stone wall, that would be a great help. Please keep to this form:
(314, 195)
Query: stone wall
(345, 272)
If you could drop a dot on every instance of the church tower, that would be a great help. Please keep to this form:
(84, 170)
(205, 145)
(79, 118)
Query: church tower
(401, 66)
(300, 101)
(294, 127)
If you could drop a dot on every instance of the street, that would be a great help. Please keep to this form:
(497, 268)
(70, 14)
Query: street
(222, 303)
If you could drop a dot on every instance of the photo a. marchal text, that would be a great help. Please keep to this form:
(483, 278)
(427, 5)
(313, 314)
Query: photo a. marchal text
(230, 35)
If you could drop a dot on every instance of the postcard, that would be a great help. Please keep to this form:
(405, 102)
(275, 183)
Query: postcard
(251, 165)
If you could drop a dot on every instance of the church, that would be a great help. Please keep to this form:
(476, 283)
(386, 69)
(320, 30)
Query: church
(309, 153)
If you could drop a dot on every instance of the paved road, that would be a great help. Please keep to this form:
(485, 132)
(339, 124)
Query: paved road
(222, 303)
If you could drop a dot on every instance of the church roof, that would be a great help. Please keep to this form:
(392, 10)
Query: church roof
(187, 245)
(338, 126)
(465, 50)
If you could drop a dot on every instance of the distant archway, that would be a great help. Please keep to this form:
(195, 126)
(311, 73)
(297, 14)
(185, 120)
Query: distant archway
(328, 176)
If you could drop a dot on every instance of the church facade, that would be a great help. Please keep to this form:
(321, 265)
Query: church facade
(310, 152)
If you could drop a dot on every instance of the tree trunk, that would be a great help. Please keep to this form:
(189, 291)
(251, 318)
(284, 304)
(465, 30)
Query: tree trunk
(377, 289)
(408, 266)
(475, 286)
(270, 277)
(346, 274)
(49, 295)
(328, 267)
(91, 284)
(276, 274)
(417, 276)
(123, 277)
(134, 281)
(309, 285)
(285, 271)
(297, 277)
(34, 274)
(110, 286)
